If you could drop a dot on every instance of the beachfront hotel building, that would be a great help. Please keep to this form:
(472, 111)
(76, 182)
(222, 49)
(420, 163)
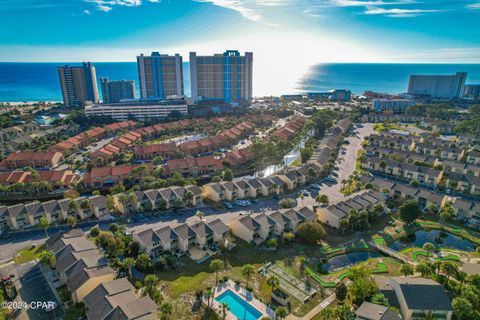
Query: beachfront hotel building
(443, 86)
(116, 90)
(160, 75)
(223, 77)
(471, 91)
(138, 109)
(79, 84)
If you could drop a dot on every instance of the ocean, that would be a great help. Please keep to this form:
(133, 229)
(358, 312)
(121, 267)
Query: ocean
(39, 81)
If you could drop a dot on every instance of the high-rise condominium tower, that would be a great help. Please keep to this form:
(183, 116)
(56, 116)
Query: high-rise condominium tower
(160, 75)
(444, 86)
(226, 77)
(79, 84)
(116, 90)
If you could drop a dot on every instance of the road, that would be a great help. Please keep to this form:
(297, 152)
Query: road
(346, 163)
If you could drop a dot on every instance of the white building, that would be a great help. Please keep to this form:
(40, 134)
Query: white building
(139, 110)
(395, 105)
(444, 86)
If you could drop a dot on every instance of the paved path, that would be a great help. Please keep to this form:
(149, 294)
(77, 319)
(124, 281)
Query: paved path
(322, 305)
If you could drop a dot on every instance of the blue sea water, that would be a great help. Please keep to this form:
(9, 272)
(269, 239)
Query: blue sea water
(39, 81)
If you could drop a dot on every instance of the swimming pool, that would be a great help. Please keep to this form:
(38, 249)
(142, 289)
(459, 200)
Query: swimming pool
(239, 307)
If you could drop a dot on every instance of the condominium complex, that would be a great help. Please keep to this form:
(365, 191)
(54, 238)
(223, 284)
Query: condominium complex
(394, 105)
(471, 91)
(160, 75)
(116, 90)
(140, 109)
(224, 77)
(444, 86)
(79, 84)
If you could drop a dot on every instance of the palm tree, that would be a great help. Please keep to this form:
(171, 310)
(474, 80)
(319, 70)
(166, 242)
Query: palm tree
(43, 224)
(273, 282)
(200, 215)
(224, 311)
(189, 196)
(461, 276)
(428, 247)
(216, 265)
(129, 263)
(281, 313)
(208, 294)
(247, 271)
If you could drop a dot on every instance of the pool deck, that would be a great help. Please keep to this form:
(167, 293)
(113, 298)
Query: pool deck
(242, 293)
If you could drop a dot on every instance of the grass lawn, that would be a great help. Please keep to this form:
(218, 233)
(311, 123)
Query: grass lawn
(378, 239)
(28, 254)
(450, 257)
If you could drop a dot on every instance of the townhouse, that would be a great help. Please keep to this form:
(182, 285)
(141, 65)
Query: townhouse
(473, 157)
(124, 142)
(417, 298)
(80, 265)
(21, 216)
(117, 300)
(151, 151)
(200, 167)
(291, 128)
(100, 177)
(463, 183)
(160, 199)
(79, 141)
(238, 158)
(184, 238)
(38, 160)
(333, 214)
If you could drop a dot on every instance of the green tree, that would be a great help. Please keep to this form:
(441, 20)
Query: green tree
(166, 309)
(227, 175)
(48, 257)
(273, 282)
(200, 215)
(379, 298)
(407, 270)
(43, 224)
(462, 308)
(341, 291)
(143, 262)
(286, 203)
(362, 285)
(409, 211)
(129, 263)
(248, 271)
(281, 313)
(323, 199)
(72, 221)
(311, 231)
(424, 269)
(450, 269)
(216, 265)
(429, 247)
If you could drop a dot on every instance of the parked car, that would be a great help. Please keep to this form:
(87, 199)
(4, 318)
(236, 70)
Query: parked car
(228, 205)
(316, 186)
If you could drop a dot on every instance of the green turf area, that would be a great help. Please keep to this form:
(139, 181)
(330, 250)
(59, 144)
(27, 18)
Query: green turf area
(28, 254)
(319, 280)
(450, 257)
(420, 253)
(378, 239)
(380, 268)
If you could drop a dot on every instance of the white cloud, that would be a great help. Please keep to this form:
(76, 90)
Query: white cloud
(87, 12)
(474, 6)
(107, 5)
(399, 13)
(360, 3)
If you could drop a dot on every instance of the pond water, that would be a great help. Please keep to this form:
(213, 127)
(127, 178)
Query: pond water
(349, 259)
(421, 237)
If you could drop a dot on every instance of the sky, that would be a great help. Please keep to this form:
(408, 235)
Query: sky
(293, 33)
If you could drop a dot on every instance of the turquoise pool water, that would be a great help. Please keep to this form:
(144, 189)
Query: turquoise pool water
(239, 307)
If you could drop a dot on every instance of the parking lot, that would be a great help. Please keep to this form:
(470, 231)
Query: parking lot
(33, 287)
